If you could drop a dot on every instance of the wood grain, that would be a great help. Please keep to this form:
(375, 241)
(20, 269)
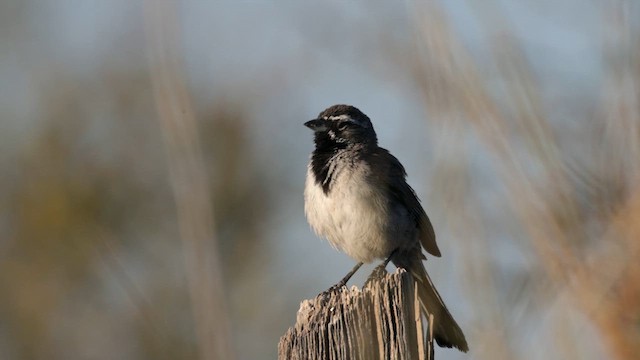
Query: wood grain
(381, 321)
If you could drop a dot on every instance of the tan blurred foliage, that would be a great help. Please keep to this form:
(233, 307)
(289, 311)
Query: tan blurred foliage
(91, 265)
(576, 208)
(89, 199)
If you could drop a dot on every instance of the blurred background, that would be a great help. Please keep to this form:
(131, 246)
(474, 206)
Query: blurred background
(153, 161)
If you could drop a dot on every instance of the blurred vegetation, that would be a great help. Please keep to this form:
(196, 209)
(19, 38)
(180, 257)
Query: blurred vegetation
(90, 195)
(90, 262)
(572, 195)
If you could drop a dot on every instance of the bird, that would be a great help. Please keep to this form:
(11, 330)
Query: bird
(356, 196)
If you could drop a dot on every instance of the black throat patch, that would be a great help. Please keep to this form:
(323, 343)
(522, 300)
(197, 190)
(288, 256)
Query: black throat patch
(326, 149)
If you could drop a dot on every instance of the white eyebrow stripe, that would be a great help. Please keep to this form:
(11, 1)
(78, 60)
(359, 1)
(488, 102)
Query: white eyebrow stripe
(345, 117)
(339, 117)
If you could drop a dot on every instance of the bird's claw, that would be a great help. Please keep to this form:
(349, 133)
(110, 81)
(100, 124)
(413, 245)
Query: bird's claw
(378, 273)
(337, 288)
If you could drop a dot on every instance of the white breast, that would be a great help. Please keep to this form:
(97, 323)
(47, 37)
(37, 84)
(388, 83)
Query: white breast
(352, 217)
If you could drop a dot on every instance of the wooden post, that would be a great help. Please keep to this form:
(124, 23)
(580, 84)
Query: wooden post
(381, 321)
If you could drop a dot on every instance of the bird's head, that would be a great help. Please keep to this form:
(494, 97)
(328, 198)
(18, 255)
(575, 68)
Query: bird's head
(343, 125)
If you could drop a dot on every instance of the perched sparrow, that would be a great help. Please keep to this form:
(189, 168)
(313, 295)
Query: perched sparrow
(357, 198)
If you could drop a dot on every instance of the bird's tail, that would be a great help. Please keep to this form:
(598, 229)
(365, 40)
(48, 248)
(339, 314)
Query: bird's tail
(446, 332)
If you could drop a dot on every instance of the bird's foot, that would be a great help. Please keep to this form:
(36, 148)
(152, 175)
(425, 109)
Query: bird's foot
(335, 289)
(342, 284)
(378, 273)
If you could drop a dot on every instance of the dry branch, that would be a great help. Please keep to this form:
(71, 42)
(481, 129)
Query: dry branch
(381, 321)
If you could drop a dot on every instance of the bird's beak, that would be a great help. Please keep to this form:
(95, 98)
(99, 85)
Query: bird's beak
(316, 125)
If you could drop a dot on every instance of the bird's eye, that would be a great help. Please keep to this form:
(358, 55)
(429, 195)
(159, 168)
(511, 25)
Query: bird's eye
(344, 125)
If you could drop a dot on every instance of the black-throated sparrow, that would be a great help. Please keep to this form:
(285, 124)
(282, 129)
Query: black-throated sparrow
(356, 196)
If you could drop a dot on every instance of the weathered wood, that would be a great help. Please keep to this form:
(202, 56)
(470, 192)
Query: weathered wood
(381, 321)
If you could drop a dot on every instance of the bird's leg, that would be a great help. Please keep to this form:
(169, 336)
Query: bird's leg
(380, 271)
(386, 261)
(346, 278)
